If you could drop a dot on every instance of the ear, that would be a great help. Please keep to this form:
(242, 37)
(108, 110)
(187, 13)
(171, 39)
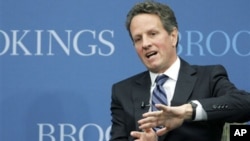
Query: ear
(174, 36)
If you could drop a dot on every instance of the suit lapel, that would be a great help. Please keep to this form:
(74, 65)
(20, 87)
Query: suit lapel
(141, 93)
(184, 85)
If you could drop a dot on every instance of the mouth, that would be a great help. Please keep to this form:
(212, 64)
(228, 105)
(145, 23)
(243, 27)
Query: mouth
(150, 54)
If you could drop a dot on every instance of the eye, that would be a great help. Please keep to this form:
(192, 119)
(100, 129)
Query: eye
(153, 33)
(136, 40)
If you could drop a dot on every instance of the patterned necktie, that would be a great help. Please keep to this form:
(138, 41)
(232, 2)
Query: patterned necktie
(159, 96)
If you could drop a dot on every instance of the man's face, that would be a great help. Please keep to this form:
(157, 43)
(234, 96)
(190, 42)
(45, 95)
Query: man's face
(154, 45)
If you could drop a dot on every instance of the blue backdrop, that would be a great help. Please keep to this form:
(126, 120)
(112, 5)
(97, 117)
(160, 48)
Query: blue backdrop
(59, 59)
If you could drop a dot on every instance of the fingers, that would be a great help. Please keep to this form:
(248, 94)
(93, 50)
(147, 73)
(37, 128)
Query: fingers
(162, 107)
(155, 118)
(169, 117)
(162, 131)
(146, 124)
(148, 134)
(139, 134)
(152, 114)
(151, 119)
(136, 134)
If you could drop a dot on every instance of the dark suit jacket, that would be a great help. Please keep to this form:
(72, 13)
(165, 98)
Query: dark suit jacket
(222, 101)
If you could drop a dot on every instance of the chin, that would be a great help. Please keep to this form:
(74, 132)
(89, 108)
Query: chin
(153, 69)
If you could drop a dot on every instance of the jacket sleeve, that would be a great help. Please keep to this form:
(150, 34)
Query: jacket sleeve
(227, 102)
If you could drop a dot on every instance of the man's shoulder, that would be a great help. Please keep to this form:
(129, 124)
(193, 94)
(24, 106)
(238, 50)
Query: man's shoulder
(210, 70)
(208, 67)
(199, 67)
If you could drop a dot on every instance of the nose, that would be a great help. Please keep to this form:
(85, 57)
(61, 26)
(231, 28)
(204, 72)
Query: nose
(146, 43)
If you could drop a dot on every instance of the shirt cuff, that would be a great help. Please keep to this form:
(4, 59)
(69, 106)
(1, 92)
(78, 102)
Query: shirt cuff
(200, 112)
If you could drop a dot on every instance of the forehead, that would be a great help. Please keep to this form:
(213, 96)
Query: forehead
(145, 22)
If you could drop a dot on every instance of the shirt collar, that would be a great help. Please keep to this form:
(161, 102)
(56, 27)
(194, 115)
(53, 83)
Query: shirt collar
(172, 72)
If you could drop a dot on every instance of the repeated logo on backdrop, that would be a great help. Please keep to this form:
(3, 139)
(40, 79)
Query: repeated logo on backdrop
(16, 42)
(70, 132)
(207, 44)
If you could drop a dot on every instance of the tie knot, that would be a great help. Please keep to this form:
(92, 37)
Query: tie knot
(161, 79)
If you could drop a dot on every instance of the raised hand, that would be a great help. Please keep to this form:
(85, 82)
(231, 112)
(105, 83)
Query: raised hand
(167, 117)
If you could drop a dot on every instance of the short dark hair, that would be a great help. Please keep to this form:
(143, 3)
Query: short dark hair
(164, 12)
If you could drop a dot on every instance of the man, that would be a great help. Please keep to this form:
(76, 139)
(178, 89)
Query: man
(199, 99)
